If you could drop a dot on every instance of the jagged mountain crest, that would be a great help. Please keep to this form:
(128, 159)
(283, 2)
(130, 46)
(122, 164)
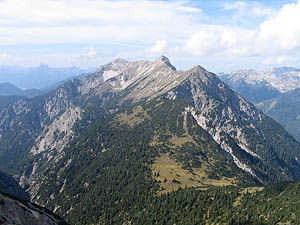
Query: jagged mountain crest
(215, 108)
(251, 85)
(143, 78)
(165, 60)
(282, 79)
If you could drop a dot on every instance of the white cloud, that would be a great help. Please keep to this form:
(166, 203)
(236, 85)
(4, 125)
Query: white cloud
(276, 41)
(221, 40)
(159, 46)
(90, 52)
(53, 12)
(63, 21)
(5, 58)
(250, 33)
(201, 43)
(238, 5)
(247, 13)
(243, 9)
(259, 10)
(282, 60)
(281, 32)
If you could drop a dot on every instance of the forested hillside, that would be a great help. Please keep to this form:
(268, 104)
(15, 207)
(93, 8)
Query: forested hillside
(108, 147)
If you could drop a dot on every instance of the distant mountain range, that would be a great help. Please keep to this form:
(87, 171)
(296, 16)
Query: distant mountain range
(282, 79)
(38, 77)
(274, 91)
(9, 93)
(286, 110)
(8, 89)
(251, 85)
(101, 148)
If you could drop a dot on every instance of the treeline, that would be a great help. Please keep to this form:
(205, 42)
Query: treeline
(276, 204)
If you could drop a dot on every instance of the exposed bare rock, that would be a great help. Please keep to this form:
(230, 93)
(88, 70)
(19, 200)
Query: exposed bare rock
(55, 136)
(15, 211)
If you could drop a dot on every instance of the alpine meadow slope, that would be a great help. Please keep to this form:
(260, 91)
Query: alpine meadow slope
(99, 148)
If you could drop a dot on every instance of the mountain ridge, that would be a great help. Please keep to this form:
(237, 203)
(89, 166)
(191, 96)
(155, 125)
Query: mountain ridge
(8, 89)
(151, 114)
(147, 85)
(279, 100)
(37, 77)
(260, 86)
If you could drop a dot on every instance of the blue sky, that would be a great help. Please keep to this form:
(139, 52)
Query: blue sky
(218, 35)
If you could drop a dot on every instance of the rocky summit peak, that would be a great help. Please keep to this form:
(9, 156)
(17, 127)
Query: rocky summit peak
(201, 72)
(119, 60)
(199, 68)
(165, 60)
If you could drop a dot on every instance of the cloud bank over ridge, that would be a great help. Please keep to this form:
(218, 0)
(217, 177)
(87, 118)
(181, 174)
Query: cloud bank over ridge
(227, 35)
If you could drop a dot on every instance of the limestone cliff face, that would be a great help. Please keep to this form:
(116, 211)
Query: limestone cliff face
(222, 112)
(34, 131)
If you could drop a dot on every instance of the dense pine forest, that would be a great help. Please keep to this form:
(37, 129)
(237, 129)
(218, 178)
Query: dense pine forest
(275, 204)
(120, 179)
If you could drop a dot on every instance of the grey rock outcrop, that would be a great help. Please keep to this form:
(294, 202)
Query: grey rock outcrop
(14, 211)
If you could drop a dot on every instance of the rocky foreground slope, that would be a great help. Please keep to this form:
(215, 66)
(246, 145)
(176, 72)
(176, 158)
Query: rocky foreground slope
(10, 186)
(14, 211)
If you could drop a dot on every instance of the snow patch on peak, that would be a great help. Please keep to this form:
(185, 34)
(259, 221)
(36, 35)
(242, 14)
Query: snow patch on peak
(107, 74)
